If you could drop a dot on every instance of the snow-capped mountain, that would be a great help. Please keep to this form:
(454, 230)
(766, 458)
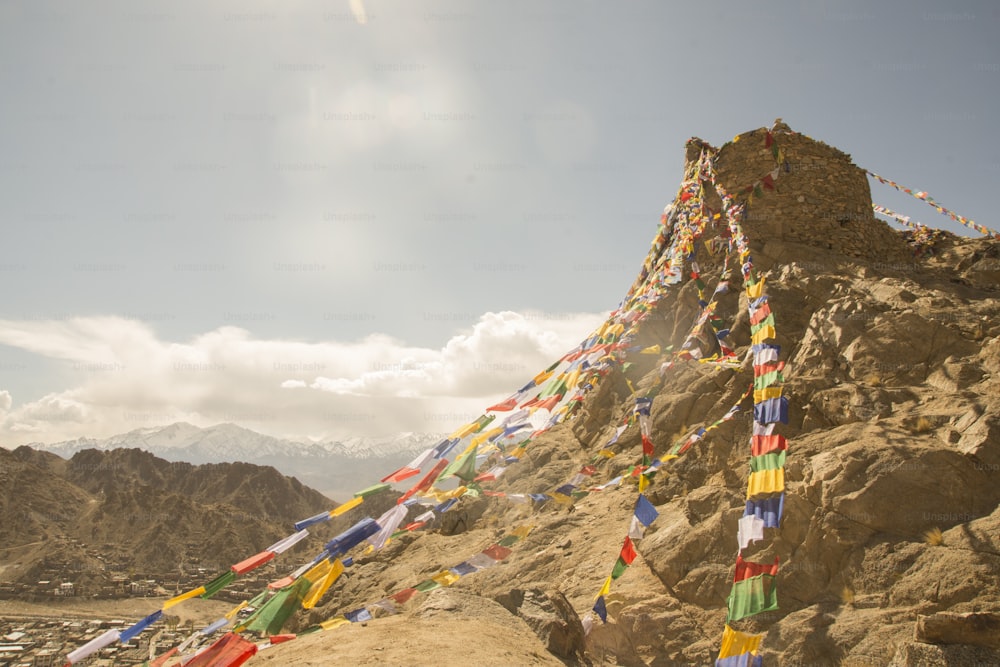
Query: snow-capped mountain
(333, 467)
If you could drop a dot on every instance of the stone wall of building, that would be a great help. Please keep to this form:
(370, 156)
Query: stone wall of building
(819, 197)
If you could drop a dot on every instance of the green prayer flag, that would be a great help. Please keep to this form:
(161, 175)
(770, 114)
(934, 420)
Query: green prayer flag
(771, 461)
(428, 585)
(752, 596)
(619, 568)
(767, 379)
(463, 467)
(271, 617)
(217, 584)
(372, 490)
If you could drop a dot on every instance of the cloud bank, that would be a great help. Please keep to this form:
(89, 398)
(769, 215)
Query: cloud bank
(123, 376)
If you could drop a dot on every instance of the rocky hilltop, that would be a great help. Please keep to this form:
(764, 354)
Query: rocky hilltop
(889, 544)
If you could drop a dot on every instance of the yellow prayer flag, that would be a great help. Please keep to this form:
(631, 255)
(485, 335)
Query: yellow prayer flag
(652, 349)
(468, 429)
(737, 643)
(446, 577)
(643, 483)
(483, 437)
(542, 377)
(605, 589)
(763, 334)
(334, 622)
(766, 481)
(518, 453)
(176, 600)
(322, 584)
(766, 393)
(349, 505)
(561, 498)
(522, 531)
(756, 290)
(606, 453)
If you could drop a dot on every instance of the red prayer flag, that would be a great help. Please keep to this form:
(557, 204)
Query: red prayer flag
(401, 474)
(229, 651)
(279, 639)
(746, 569)
(425, 482)
(764, 369)
(253, 562)
(549, 403)
(760, 314)
(497, 552)
(765, 444)
(628, 551)
(505, 406)
(588, 470)
(281, 583)
(403, 595)
(647, 445)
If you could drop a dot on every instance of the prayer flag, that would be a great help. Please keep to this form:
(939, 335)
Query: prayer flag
(230, 650)
(767, 510)
(766, 481)
(321, 577)
(253, 562)
(352, 537)
(93, 646)
(645, 511)
(746, 569)
(177, 599)
(619, 568)
(281, 546)
(134, 631)
(388, 523)
(737, 644)
(426, 481)
(344, 508)
(628, 553)
(445, 577)
(752, 596)
(601, 609)
(372, 490)
(402, 596)
(751, 529)
(771, 410)
(497, 552)
(771, 461)
(217, 584)
(318, 518)
(358, 615)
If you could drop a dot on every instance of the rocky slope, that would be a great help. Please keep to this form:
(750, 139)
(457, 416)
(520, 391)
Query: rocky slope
(126, 510)
(891, 517)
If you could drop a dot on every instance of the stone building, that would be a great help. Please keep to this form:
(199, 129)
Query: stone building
(801, 191)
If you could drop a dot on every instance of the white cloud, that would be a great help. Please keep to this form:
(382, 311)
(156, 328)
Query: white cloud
(125, 377)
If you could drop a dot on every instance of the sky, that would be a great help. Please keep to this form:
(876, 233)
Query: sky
(354, 217)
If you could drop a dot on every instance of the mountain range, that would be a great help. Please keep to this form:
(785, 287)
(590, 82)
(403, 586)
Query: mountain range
(333, 467)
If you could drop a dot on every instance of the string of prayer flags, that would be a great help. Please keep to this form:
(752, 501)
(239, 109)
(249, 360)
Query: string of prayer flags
(926, 198)
(739, 649)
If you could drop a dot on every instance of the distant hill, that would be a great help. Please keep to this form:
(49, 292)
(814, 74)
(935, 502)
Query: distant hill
(333, 467)
(127, 510)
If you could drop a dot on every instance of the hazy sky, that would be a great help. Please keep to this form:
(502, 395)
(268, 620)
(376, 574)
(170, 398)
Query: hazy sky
(360, 217)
